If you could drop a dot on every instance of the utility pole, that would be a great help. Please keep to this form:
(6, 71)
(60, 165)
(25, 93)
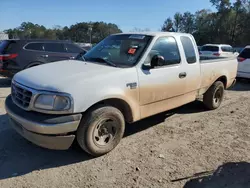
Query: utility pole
(90, 34)
(29, 33)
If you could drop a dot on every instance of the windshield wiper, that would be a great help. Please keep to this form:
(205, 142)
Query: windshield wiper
(104, 60)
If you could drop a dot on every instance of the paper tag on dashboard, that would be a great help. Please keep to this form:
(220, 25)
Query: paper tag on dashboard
(131, 51)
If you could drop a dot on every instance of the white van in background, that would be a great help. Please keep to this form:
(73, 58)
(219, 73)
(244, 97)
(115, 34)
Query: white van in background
(244, 63)
(217, 50)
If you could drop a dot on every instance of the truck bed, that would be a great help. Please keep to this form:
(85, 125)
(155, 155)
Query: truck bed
(214, 68)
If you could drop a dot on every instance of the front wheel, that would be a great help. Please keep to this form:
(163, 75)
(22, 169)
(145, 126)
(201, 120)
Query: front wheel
(214, 96)
(101, 130)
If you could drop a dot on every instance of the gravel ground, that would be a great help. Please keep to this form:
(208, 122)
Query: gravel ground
(187, 147)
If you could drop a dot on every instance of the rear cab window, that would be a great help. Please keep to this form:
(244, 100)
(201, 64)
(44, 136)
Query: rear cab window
(210, 48)
(54, 47)
(188, 49)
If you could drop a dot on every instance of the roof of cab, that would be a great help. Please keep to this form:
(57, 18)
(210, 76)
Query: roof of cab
(158, 34)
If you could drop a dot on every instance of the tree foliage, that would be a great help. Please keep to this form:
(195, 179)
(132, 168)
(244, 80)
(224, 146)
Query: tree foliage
(136, 29)
(168, 25)
(228, 24)
(79, 32)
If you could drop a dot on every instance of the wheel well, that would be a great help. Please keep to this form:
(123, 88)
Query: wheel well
(223, 79)
(120, 104)
(33, 64)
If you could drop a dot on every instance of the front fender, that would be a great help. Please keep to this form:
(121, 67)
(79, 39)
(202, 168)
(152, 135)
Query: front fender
(130, 96)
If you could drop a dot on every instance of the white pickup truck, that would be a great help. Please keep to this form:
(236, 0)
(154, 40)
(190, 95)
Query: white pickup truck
(123, 79)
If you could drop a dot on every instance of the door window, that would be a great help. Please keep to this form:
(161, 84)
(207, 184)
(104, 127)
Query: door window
(54, 47)
(166, 47)
(35, 46)
(71, 48)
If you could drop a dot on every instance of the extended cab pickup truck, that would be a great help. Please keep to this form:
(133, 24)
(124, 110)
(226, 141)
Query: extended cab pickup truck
(123, 79)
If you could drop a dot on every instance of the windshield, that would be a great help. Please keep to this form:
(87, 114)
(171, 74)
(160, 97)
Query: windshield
(210, 48)
(121, 50)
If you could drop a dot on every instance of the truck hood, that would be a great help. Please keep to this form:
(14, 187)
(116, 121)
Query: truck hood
(59, 75)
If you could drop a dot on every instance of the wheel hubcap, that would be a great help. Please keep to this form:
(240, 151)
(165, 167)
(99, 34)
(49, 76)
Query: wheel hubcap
(218, 96)
(105, 132)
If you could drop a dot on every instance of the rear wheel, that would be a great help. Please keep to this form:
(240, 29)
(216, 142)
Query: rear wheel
(101, 130)
(214, 95)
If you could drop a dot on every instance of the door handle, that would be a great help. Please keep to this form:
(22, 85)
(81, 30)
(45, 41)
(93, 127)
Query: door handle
(44, 55)
(71, 57)
(182, 75)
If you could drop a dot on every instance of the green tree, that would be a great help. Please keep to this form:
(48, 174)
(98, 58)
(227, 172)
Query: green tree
(78, 32)
(188, 23)
(229, 24)
(177, 21)
(136, 29)
(168, 25)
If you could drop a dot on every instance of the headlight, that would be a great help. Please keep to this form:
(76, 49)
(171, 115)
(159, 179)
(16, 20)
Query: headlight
(52, 102)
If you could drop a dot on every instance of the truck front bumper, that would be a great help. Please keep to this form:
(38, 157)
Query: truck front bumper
(48, 131)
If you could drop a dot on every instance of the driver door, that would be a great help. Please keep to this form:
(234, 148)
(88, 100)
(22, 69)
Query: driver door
(162, 88)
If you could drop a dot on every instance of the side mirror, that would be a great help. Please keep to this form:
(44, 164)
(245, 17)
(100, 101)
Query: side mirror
(157, 61)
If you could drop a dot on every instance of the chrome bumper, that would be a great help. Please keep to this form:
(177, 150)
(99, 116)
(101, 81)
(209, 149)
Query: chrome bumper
(49, 131)
(50, 142)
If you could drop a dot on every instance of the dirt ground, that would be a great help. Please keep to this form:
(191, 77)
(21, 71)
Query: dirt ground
(187, 147)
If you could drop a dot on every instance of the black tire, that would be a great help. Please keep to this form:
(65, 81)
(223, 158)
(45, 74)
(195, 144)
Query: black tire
(214, 95)
(101, 130)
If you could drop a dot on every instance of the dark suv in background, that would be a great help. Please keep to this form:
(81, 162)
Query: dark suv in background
(17, 55)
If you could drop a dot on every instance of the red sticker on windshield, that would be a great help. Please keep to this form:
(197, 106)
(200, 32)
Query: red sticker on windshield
(131, 51)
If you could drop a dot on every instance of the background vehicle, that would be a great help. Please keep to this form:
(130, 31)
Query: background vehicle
(244, 63)
(124, 78)
(17, 55)
(217, 50)
(238, 49)
(199, 48)
(85, 46)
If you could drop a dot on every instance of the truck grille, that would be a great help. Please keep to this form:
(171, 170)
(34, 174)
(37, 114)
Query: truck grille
(20, 96)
